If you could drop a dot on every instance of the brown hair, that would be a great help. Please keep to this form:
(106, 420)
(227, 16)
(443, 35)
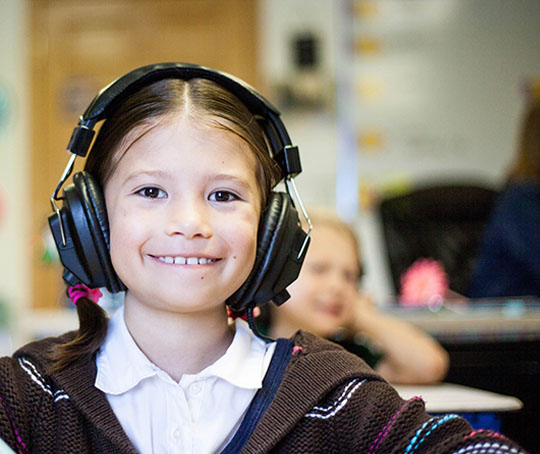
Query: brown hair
(527, 162)
(199, 100)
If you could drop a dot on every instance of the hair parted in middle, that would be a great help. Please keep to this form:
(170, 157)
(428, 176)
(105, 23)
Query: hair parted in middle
(200, 100)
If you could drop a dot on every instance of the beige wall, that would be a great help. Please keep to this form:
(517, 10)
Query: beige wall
(443, 88)
(14, 127)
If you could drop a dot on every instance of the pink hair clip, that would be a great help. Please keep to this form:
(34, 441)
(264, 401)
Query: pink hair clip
(82, 291)
(235, 315)
(243, 314)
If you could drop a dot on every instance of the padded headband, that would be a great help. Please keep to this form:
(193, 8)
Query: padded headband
(105, 102)
(122, 87)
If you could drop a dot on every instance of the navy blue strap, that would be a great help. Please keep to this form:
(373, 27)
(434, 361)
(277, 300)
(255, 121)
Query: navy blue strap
(264, 396)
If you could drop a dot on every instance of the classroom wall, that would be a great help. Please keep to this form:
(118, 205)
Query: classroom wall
(14, 127)
(447, 80)
(425, 90)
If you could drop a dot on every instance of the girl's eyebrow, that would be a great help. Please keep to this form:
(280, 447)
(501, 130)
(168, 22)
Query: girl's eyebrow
(149, 173)
(163, 174)
(232, 178)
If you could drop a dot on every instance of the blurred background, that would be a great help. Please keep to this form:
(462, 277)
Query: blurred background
(381, 96)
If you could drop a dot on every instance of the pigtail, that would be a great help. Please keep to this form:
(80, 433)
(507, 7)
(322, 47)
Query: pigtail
(93, 322)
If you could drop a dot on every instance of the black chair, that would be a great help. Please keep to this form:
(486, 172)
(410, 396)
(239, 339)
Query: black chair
(443, 221)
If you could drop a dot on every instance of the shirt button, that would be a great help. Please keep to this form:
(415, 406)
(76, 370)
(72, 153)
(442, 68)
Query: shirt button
(195, 388)
(177, 433)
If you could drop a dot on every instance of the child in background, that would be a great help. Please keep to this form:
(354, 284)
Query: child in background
(186, 175)
(325, 300)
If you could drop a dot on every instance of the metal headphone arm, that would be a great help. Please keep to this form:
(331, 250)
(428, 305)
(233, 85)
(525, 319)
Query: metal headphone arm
(79, 145)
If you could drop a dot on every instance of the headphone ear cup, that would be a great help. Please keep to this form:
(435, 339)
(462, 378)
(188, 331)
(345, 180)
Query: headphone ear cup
(85, 203)
(267, 227)
(277, 263)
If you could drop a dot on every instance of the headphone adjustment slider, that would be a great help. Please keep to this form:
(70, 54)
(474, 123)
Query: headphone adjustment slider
(80, 141)
(288, 159)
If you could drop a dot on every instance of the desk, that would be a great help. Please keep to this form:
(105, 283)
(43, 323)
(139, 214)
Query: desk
(497, 320)
(493, 345)
(451, 398)
(483, 409)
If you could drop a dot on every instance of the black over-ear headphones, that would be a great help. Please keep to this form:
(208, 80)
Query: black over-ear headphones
(81, 230)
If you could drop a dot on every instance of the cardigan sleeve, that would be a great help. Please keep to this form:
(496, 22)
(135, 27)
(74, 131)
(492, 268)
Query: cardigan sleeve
(369, 416)
(376, 420)
(382, 422)
(14, 414)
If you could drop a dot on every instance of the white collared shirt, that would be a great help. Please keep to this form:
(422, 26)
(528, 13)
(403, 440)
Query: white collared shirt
(200, 413)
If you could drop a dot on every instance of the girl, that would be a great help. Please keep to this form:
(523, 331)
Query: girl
(325, 300)
(186, 175)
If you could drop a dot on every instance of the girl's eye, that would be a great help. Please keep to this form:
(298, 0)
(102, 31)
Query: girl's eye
(222, 196)
(152, 193)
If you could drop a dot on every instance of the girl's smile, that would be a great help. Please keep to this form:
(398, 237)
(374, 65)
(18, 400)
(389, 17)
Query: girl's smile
(184, 208)
(189, 261)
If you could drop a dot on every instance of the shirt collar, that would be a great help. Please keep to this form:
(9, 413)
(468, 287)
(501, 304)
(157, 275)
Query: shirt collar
(121, 365)
(245, 362)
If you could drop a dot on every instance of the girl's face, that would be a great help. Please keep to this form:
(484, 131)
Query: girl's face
(322, 296)
(183, 207)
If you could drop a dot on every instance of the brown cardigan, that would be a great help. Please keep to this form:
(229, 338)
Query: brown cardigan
(328, 401)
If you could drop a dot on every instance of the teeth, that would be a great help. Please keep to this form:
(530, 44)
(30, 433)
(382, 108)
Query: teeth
(186, 260)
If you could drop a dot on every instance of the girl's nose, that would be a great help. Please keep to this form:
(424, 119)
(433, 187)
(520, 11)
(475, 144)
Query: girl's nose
(337, 283)
(333, 282)
(188, 218)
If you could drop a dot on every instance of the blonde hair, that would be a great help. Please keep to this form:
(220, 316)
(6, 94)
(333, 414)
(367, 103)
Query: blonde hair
(326, 217)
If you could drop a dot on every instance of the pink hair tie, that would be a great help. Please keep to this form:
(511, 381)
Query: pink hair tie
(82, 291)
(235, 315)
